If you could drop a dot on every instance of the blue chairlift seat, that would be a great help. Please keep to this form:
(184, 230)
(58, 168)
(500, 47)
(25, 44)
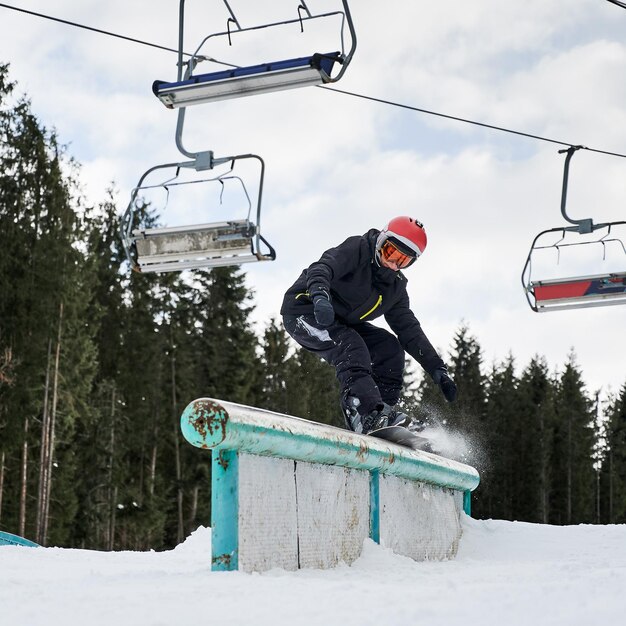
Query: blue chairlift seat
(245, 81)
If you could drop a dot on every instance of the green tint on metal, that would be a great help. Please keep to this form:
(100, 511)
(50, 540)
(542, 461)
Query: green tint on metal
(375, 506)
(225, 510)
(467, 502)
(9, 539)
(216, 425)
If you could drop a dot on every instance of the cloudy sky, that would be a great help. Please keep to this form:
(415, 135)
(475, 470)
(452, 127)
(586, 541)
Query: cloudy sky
(338, 165)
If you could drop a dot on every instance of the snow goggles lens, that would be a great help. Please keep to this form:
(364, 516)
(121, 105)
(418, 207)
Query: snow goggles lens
(391, 254)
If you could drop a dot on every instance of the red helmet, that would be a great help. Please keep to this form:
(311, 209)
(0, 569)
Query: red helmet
(406, 234)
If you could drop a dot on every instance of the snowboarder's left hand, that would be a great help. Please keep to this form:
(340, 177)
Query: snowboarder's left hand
(447, 385)
(323, 309)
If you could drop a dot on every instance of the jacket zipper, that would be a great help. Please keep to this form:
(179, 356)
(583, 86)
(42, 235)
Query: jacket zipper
(378, 303)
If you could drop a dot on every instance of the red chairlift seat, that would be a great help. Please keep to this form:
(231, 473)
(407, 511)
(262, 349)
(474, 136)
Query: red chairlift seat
(579, 292)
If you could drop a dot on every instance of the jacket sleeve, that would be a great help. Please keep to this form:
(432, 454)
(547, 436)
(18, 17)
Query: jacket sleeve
(334, 263)
(411, 336)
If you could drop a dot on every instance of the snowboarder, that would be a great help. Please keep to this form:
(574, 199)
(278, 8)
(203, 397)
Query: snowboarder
(328, 312)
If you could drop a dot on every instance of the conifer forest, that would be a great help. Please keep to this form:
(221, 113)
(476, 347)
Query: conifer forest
(97, 364)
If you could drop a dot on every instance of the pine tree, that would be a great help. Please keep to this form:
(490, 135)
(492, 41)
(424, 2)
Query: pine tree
(499, 484)
(276, 362)
(614, 461)
(45, 284)
(467, 415)
(537, 417)
(573, 485)
(314, 390)
(412, 394)
(226, 355)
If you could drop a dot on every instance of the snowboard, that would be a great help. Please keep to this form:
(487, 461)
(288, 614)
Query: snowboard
(402, 436)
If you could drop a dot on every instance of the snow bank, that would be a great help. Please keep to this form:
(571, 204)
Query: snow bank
(509, 573)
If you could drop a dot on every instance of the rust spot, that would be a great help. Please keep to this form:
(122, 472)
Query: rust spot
(222, 460)
(223, 559)
(361, 455)
(209, 420)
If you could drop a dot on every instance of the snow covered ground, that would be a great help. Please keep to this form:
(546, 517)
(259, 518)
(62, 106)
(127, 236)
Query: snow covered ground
(506, 573)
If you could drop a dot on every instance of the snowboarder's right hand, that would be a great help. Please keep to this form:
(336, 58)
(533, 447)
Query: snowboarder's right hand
(447, 385)
(323, 309)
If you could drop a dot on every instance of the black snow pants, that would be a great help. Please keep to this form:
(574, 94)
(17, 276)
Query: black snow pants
(368, 360)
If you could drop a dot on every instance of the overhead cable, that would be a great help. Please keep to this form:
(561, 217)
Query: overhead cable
(91, 28)
(341, 91)
(468, 121)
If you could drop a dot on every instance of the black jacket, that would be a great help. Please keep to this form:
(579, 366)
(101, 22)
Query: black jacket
(360, 291)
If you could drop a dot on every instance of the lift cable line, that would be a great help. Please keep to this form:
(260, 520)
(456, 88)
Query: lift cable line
(468, 121)
(91, 28)
(341, 91)
(618, 3)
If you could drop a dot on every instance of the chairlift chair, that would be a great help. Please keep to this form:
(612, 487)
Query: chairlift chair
(582, 291)
(575, 292)
(215, 244)
(235, 82)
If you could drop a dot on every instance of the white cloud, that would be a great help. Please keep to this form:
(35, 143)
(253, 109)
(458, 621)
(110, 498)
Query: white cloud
(338, 165)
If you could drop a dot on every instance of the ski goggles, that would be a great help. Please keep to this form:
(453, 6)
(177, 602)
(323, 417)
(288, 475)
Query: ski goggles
(390, 254)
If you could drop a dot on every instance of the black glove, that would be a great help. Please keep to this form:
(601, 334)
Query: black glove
(447, 385)
(323, 309)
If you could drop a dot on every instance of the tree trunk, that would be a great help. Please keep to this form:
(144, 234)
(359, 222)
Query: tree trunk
(112, 489)
(23, 489)
(55, 397)
(611, 521)
(2, 458)
(543, 488)
(179, 493)
(153, 455)
(112, 513)
(44, 452)
(194, 506)
(597, 495)
(568, 473)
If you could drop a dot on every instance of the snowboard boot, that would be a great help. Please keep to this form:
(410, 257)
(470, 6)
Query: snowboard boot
(382, 416)
(349, 407)
(395, 417)
(374, 420)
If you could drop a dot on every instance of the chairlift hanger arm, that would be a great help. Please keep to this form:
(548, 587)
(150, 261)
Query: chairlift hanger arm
(584, 225)
(233, 17)
(346, 17)
(227, 32)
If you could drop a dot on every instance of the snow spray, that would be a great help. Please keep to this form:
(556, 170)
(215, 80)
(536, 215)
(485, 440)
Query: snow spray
(453, 444)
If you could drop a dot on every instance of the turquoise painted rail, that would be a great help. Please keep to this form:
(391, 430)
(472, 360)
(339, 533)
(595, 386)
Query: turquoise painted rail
(218, 425)
(9, 539)
(229, 429)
